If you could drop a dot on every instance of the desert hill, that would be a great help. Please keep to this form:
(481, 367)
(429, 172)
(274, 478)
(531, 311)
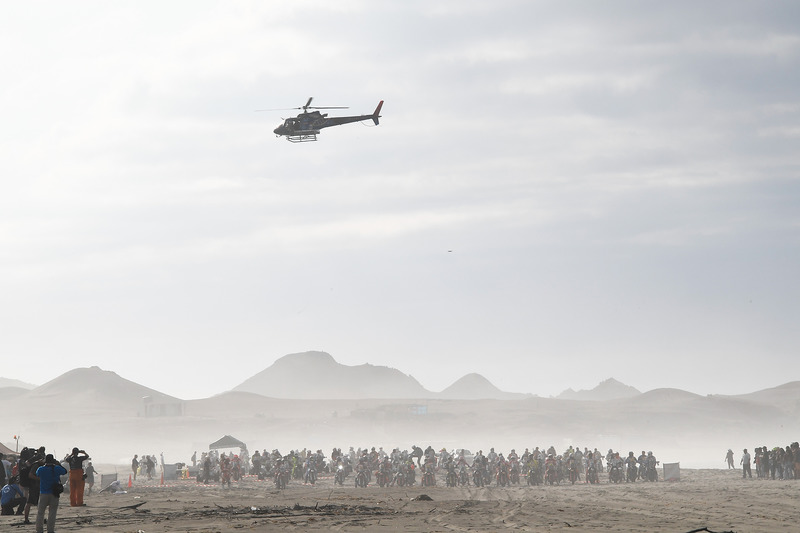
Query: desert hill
(610, 389)
(8, 382)
(316, 375)
(95, 389)
(100, 410)
(11, 393)
(476, 387)
(787, 396)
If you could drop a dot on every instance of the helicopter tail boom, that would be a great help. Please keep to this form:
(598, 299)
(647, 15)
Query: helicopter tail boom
(376, 115)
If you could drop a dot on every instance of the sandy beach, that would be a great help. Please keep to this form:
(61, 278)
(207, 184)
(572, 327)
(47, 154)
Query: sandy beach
(717, 499)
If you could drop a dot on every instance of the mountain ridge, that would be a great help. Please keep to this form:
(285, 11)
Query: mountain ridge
(317, 375)
(608, 389)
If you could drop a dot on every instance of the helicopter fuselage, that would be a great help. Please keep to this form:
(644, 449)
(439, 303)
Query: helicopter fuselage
(309, 124)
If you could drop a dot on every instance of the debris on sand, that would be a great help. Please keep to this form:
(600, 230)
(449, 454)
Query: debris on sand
(422, 498)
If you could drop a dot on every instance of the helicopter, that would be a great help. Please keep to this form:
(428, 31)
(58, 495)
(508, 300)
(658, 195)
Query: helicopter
(306, 126)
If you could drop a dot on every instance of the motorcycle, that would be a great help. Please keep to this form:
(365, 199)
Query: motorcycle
(281, 478)
(573, 473)
(428, 477)
(591, 473)
(452, 478)
(361, 476)
(339, 476)
(615, 475)
(400, 477)
(463, 476)
(633, 473)
(514, 473)
(534, 474)
(477, 476)
(551, 473)
(382, 476)
(502, 475)
(311, 474)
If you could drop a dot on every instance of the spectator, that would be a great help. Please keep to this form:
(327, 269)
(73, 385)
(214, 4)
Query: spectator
(12, 496)
(90, 472)
(76, 477)
(3, 474)
(135, 465)
(48, 475)
(745, 462)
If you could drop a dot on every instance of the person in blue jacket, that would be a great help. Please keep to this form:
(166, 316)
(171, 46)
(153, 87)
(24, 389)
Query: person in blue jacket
(49, 474)
(12, 496)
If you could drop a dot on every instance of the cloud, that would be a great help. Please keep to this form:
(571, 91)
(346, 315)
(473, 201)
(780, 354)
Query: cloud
(603, 174)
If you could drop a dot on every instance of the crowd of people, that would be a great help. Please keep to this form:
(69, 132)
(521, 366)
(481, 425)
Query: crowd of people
(33, 479)
(456, 467)
(461, 468)
(770, 463)
(144, 467)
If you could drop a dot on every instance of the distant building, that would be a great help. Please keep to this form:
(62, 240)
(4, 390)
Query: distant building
(152, 407)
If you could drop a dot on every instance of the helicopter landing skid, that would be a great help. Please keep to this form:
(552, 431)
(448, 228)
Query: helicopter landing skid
(302, 138)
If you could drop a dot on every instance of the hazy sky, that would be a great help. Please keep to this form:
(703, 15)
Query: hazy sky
(558, 192)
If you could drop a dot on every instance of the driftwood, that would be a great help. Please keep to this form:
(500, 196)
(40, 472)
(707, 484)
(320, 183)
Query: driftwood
(134, 506)
(708, 531)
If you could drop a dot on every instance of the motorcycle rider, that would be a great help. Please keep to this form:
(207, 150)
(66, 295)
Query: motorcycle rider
(550, 465)
(491, 458)
(651, 465)
(416, 452)
(630, 463)
(591, 468)
(616, 464)
(642, 464)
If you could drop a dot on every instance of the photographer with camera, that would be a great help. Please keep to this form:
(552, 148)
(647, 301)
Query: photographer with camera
(76, 476)
(50, 488)
(29, 460)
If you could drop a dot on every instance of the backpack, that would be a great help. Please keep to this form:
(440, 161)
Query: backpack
(58, 487)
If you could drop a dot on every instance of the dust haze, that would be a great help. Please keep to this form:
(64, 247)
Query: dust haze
(114, 418)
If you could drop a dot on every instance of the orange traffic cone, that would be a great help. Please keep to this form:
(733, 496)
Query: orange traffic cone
(130, 481)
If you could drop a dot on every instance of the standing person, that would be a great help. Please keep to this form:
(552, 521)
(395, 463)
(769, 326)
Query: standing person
(76, 477)
(90, 472)
(729, 459)
(135, 465)
(149, 466)
(206, 469)
(745, 462)
(48, 475)
(29, 461)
